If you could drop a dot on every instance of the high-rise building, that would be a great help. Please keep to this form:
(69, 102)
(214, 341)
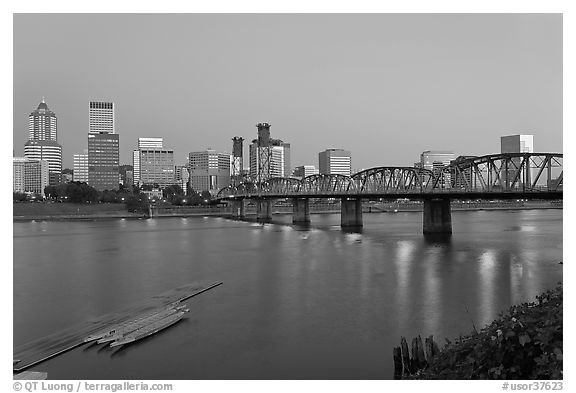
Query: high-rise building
(304, 170)
(42, 124)
(153, 163)
(209, 170)
(103, 147)
(30, 175)
(157, 166)
(81, 167)
(103, 161)
(517, 144)
(101, 118)
(335, 162)
(49, 151)
(279, 159)
(42, 141)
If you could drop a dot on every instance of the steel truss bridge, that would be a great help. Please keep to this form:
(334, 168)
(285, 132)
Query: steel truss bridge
(496, 176)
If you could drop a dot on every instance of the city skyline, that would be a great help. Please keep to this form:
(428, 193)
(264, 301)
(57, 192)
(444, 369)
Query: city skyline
(384, 86)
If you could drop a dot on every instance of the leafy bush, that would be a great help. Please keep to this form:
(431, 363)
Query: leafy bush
(526, 343)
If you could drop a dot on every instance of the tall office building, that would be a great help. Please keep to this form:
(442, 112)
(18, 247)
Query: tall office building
(144, 143)
(42, 141)
(153, 164)
(335, 162)
(30, 175)
(103, 147)
(42, 124)
(157, 166)
(101, 118)
(81, 167)
(209, 170)
(279, 159)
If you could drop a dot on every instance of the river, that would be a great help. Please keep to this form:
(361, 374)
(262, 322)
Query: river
(297, 302)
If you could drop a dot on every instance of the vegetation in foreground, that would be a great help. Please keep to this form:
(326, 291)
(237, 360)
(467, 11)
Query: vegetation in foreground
(525, 343)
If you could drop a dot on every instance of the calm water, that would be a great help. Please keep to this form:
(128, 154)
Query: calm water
(297, 303)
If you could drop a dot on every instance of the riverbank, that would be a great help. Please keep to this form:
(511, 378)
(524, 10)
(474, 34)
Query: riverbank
(525, 343)
(72, 211)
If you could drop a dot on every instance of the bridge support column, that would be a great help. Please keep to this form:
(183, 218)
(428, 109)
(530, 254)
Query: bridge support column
(300, 210)
(238, 209)
(351, 212)
(263, 210)
(437, 216)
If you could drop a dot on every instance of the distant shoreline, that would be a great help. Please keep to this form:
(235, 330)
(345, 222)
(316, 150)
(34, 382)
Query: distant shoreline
(119, 214)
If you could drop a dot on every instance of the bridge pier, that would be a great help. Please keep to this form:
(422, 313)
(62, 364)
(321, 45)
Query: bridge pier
(351, 212)
(300, 210)
(238, 209)
(437, 216)
(263, 210)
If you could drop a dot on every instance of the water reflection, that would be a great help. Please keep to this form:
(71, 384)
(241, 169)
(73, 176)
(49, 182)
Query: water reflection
(308, 301)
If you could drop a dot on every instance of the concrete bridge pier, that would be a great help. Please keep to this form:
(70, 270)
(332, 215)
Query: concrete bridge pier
(300, 210)
(437, 216)
(351, 212)
(263, 210)
(238, 209)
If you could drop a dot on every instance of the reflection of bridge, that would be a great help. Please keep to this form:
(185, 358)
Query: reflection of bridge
(497, 176)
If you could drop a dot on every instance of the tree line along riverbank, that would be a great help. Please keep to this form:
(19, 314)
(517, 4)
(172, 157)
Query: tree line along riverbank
(526, 343)
(61, 211)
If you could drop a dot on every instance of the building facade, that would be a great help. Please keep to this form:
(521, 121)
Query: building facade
(42, 141)
(30, 175)
(156, 166)
(279, 159)
(209, 170)
(517, 144)
(103, 147)
(103, 161)
(153, 163)
(335, 162)
(435, 160)
(304, 170)
(81, 167)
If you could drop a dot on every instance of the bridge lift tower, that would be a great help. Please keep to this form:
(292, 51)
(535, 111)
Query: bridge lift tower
(264, 152)
(237, 160)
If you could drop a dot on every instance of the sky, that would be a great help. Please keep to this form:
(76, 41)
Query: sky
(384, 86)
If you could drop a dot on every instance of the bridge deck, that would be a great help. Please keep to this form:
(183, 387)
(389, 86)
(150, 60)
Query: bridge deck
(47, 347)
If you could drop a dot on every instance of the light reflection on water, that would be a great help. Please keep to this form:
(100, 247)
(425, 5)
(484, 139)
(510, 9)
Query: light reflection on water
(297, 301)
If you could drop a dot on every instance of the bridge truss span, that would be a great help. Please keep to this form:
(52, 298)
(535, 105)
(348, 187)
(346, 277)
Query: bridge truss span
(510, 172)
(324, 184)
(386, 180)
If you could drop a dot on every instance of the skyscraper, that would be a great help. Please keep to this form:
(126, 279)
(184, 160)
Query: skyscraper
(335, 162)
(42, 141)
(103, 147)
